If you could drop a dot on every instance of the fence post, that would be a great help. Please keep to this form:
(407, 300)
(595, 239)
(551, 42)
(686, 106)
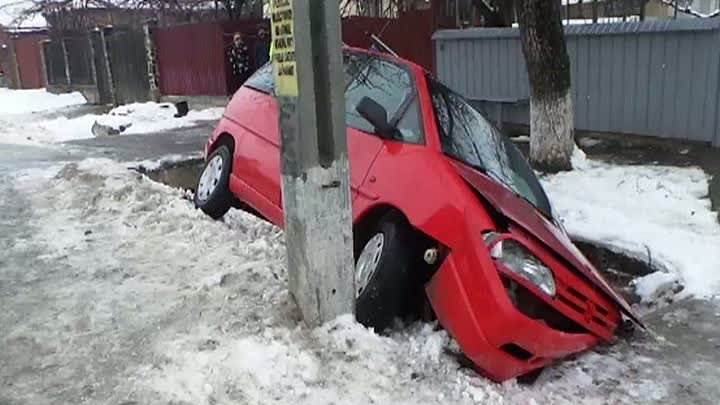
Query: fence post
(66, 61)
(93, 69)
(43, 62)
(106, 59)
(15, 79)
(151, 52)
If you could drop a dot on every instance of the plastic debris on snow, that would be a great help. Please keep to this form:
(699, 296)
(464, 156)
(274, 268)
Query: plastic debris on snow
(36, 100)
(657, 214)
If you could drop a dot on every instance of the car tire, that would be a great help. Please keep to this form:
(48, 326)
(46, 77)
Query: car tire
(212, 194)
(383, 295)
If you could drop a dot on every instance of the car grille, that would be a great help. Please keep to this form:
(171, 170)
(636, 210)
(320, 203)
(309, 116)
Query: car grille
(533, 307)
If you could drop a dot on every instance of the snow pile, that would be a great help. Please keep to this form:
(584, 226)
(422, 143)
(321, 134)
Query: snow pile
(153, 302)
(36, 100)
(140, 118)
(656, 285)
(137, 118)
(661, 215)
(14, 14)
(578, 159)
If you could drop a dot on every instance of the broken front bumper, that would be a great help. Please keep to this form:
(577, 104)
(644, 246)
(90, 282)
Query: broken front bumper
(504, 324)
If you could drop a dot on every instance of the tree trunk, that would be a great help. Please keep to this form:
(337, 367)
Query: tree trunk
(642, 10)
(594, 11)
(548, 66)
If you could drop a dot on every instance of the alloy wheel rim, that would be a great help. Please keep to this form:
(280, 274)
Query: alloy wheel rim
(368, 262)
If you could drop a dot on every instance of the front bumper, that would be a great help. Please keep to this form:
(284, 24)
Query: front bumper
(469, 296)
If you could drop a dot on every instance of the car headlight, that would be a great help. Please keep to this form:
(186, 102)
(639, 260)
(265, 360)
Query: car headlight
(518, 259)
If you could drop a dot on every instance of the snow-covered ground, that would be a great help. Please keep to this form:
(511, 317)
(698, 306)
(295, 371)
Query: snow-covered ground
(35, 100)
(661, 215)
(148, 300)
(114, 289)
(22, 121)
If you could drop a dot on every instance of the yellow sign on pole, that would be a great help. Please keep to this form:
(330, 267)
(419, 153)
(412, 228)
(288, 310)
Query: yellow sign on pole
(283, 48)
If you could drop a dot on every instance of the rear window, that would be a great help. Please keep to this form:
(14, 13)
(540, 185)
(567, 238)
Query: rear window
(262, 80)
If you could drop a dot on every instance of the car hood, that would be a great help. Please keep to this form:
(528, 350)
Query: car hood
(526, 216)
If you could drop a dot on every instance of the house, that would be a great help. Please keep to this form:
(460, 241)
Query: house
(650, 9)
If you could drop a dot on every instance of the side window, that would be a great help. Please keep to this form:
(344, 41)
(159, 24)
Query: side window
(389, 85)
(262, 80)
(410, 125)
(353, 62)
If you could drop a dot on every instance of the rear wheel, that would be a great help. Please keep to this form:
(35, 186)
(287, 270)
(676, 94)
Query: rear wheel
(382, 267)
(213, 194)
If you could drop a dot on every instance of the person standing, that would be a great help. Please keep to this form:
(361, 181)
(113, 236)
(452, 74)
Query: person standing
(239, 61)
(262, 46)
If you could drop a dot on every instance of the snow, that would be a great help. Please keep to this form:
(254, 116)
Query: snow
(690, 10)
(654, 285)
(661, 215)
(156, 303)
(578, 159)
(35, 100)
(141, 118)
(17, 126)
(521, 139)
(12, 14)
(128, 294)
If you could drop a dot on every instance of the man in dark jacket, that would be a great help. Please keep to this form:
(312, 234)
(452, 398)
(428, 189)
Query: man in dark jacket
(262, 45)
(239, 61)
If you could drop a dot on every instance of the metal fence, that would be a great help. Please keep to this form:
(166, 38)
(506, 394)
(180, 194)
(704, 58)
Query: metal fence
(79, 59)
(657, 78)
(128, 65)
(192, 58)
(29, 62)
(107, 65)
(54, 58)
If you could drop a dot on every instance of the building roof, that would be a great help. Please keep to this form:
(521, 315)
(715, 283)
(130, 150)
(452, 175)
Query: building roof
(12, 18)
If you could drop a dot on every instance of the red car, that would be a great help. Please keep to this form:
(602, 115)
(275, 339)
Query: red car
(441, 201)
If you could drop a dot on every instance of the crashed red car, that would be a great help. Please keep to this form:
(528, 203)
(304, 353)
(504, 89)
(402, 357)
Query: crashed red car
(440, 199)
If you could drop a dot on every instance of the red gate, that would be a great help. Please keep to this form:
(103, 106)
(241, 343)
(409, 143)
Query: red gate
(191, 58)
(410, 35)
(27, 51)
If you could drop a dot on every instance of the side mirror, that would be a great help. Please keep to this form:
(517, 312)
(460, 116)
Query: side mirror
(376, 115)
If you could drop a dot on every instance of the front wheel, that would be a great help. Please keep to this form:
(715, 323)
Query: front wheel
(382, 268)
(213, 194)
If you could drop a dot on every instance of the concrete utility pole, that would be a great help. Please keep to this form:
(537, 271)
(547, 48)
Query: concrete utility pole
(309, 84)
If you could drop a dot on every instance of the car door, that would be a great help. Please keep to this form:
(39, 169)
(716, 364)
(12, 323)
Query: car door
(390, 85)
(257, 157)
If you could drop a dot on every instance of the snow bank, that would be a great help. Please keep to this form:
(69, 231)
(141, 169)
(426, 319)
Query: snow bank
(137, 118)
(197, 311)
(661, 215)
(35, 100)
(653, 286)
(140, 118)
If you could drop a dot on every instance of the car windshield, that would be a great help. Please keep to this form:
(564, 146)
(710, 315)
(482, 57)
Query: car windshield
(467, 136)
